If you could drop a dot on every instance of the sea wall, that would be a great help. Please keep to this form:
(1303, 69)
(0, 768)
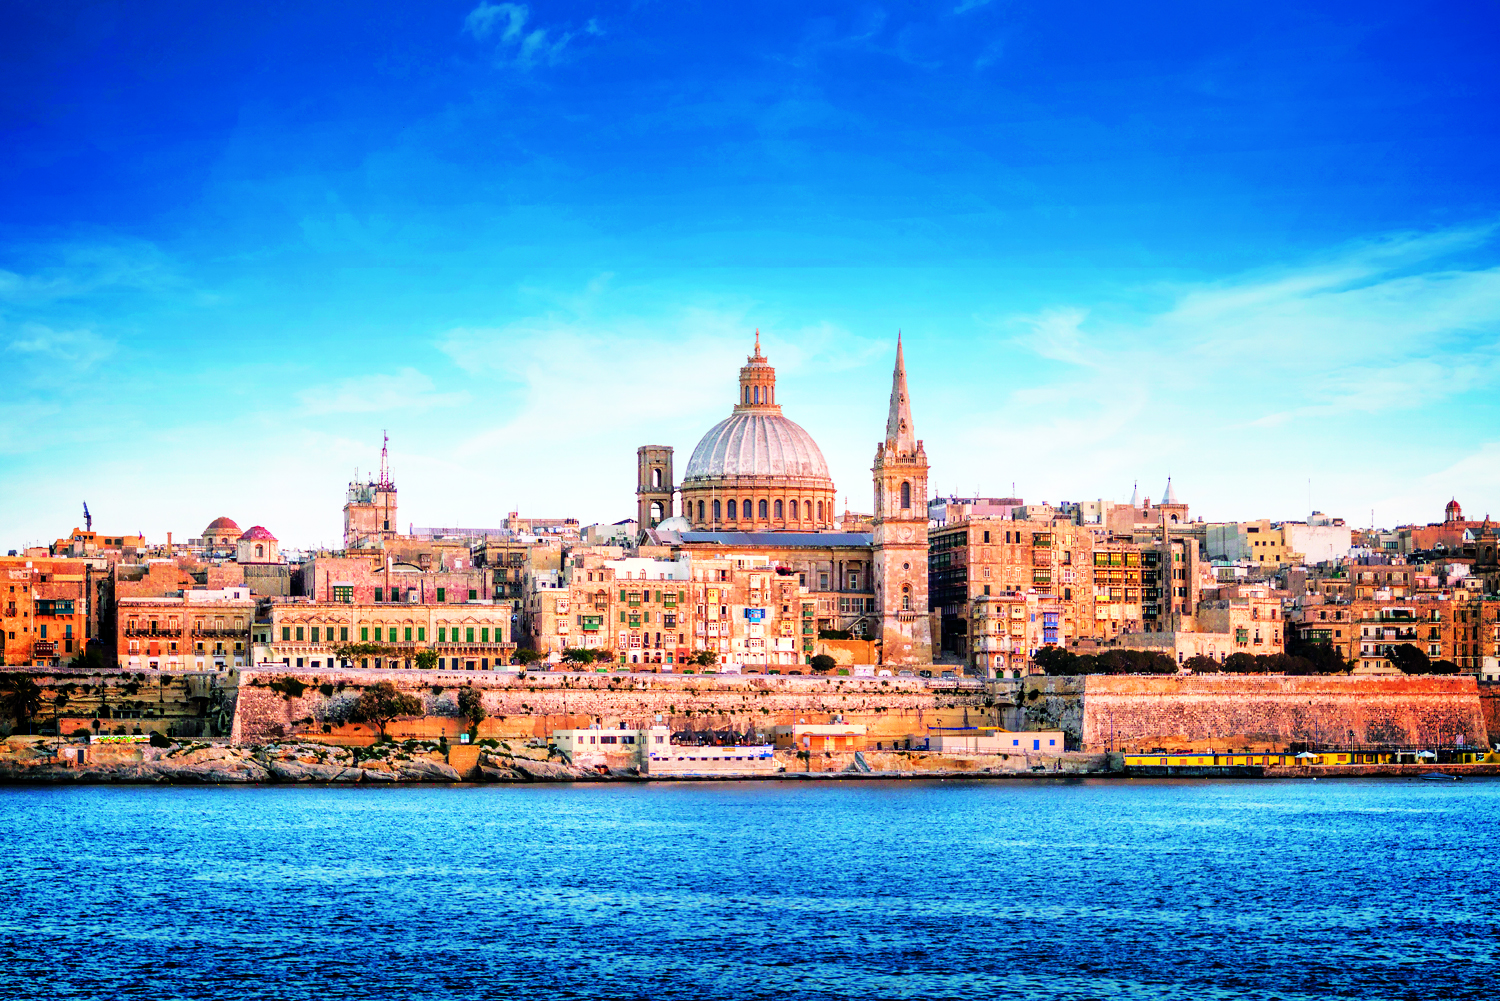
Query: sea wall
(1271, 711)
(271, 705)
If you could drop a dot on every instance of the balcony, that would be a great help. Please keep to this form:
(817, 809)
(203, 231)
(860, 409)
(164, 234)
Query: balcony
(43, 648)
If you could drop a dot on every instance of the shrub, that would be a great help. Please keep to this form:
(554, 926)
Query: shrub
(823, 663)
(471, 704)
(157, 740)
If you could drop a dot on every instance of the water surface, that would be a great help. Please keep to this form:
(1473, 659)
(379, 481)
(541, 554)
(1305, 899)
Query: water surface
(1096, 889)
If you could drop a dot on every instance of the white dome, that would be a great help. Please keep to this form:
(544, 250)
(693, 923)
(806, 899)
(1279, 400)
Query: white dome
(677, 523)
(762, 445)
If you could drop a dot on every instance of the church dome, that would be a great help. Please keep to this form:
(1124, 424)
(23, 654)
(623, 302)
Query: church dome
(221, 525)
(757, 470)
(764, 445)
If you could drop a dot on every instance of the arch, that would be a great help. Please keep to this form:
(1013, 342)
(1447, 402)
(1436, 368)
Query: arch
(780, 511)
(905, 494)
(762, 507)
(734, 510)
(260, 550)
(655, 512)
(747, 395)
(820, 510)
(700, 511)
(656, 477)
(792, 509)
(718, 514)
(745, 508)
(906, 597)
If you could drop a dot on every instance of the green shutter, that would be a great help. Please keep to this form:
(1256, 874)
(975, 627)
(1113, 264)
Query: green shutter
(622, 616)
(408, 634)
(470, 634)
(364, 632)
(393, 634)
(442, 634)
(421, 634)
(286, 633)
(484, 635)
(442, 594)
(622, 594)
(344, 633)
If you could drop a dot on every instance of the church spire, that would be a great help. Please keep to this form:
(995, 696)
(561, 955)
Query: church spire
(898, 432)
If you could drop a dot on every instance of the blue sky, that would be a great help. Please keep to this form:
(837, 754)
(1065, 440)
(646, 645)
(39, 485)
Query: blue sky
(1248, 246)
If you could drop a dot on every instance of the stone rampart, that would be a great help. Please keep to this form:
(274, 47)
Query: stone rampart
(278, 704)
(1271, 711)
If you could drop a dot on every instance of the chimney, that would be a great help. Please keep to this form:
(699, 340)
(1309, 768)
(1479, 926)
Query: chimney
(169, 543)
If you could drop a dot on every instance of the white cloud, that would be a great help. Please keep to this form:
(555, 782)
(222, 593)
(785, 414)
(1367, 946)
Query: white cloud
(407, 391)
(77, 350)
(504, 24)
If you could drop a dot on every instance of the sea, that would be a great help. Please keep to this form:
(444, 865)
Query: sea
(1108, 889)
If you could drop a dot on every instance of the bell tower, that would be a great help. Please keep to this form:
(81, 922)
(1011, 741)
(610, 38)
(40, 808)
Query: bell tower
(653, 485)
(900, 476)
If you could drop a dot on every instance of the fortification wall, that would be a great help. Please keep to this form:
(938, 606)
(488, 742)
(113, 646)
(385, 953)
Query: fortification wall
(318, 704)
(1489, 703)
(1271, 711)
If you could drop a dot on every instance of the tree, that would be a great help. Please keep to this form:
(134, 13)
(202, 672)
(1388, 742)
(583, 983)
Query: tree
(471, 704)
(823, 663)
(354, 651)
(1055, 660)
(381, 702)
(525, 655)
(21, 696)
(1444, 667)
(705, 658)
(579, 656)
(1199, 664)
(1409, 659)
(426, 659)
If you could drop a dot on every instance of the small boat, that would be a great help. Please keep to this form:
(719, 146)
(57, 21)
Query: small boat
(1438, 777)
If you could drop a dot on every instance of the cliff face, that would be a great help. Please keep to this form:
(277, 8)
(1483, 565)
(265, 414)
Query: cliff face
(274, 705)
(1224, 711)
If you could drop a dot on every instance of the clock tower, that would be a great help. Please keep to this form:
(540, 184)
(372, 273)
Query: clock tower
(900, 476)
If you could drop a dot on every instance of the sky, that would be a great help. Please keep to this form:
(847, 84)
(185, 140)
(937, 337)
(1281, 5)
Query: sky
(1253, 247)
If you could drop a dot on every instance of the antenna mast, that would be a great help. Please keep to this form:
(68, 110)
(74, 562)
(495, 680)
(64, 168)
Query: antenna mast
(385, 467)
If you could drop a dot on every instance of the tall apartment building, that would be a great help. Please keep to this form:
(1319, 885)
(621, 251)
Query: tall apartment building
(192, 630)
(44, 609)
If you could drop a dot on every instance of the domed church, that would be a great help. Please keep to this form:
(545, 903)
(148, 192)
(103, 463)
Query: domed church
(757, 482)
(756, 470)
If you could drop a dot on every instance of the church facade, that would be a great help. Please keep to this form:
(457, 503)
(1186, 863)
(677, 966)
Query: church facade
(757, 487)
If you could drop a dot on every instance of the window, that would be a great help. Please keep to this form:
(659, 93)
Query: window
(473, 594)
(820, 510)
(905, 494)
(470, 632)
(442, 634)
(286, 634)
(364, 633)
(733, 511)
(986, 536)
(744, 508)
(906, 597)
(761, 508)
(794, 510)
(408, 634)
(343, 634)
(393, 634)
(344, 593)
(442, 594)
(700, 510)
(718, 512)
(822, 582)
(656, 477)
(314, 636)
(421, 634)
(780, 512)
(260, 551)
(380, 594)
(484, 635)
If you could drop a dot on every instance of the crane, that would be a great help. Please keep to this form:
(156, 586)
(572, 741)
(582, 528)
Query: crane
(88, 519)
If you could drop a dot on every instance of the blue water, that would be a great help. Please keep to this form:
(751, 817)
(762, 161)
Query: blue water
(1175, 889)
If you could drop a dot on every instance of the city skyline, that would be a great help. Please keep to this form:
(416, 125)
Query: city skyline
(1245, 249)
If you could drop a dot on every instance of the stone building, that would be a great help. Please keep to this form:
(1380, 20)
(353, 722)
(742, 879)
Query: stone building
(463, 636)
(377, 578)
(193, 630)
(45, 609)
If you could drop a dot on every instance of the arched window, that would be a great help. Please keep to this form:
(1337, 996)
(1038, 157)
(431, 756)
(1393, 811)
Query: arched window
(757, 394)
(718, 515)
(793, 509)
(762, 510)
(700, 510)
(734, 512)
(779, 512)
(905, 494)
(260, 551)
(747, 394)
(820, 510)
(655, 512)
(906, 597)
(745, 508)
(656, 477)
